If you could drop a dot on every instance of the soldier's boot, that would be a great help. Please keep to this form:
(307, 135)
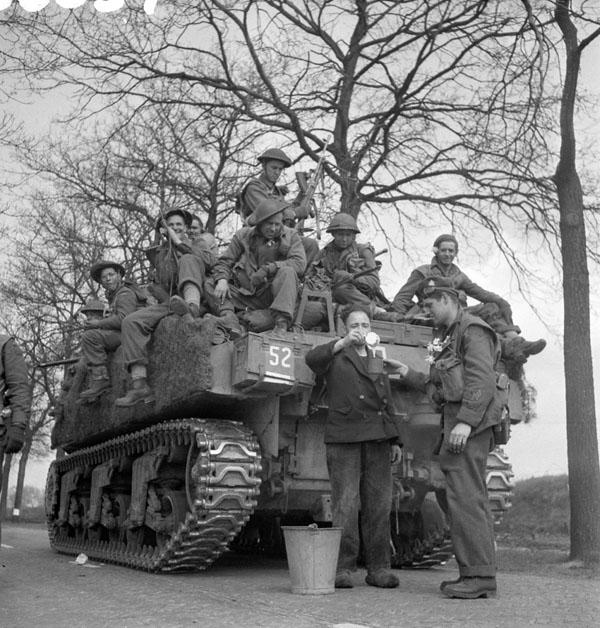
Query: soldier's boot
(471, 588)
(229, 321)
(188, 311)
(518, 349)
(282, 322)
(140, 391)
(99, 383)
(445, 583)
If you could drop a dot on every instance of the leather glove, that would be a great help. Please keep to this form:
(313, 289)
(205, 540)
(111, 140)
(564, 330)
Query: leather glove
(15, 437)
(259, 277)
(342, 276)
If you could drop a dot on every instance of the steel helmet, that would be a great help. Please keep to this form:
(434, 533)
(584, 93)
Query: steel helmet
(98, 267)
(265, 209)
(275, 154)
(343, 221)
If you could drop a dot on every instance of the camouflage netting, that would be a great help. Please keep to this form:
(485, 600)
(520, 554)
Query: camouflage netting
(179, 369)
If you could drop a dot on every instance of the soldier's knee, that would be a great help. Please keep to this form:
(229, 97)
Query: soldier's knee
(286, 272)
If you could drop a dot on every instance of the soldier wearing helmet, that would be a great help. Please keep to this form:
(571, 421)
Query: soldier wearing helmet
(350, 268)
(273, 162)
(260, 268)
(102, 329)
(493, 309)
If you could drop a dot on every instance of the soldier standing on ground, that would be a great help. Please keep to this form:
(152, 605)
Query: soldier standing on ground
(15, 397)
(495, 310)
(102, 335)
(360, 437)
(260, 268)
(462, 382)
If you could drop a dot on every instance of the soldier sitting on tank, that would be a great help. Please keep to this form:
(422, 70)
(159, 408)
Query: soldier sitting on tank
(349, 269)
(180, 267)
(197, 233)
(311, 246)
(494, 310)
(260, 268)
(273, 161)
(102, 333)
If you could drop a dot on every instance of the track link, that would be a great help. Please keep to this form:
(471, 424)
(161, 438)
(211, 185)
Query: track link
(221, 485)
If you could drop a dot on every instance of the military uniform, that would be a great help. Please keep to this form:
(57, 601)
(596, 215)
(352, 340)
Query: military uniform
(106, 334)
(174, 266)
(360, 428)
(15, 392)
(495, 309)
(256, 190)
(249, 251)
(465, 385)
(338, 265)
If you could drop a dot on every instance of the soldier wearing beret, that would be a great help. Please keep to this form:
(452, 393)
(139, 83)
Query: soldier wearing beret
(260, 268)
(463, 383)
(361, 436)
(495, 310)
(102, 333)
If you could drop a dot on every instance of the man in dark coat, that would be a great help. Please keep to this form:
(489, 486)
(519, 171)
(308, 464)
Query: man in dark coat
(361, 435)
(260, 268)
(103, 334)
(464, 383)
(15, 397)
(495, 310)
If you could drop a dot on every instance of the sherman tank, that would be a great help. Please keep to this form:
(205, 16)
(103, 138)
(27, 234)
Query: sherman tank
(230, 449)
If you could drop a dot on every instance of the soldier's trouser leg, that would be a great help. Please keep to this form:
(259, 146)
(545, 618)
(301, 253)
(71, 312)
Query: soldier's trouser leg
(284, 289)
(191, 269)
(96, 342)
(347, 294)
(376, 503)
(471, 523)
(136, 331)
(490, 313)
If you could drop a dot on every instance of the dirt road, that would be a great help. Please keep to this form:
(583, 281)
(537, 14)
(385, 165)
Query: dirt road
(41, 588)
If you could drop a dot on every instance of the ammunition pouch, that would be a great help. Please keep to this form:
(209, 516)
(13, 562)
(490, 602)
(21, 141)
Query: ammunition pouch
(450, 371)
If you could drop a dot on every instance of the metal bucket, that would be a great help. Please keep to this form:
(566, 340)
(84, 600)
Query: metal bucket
(312, 555)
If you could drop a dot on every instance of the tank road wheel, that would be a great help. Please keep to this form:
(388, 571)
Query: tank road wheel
(499, 475)
(420, 539)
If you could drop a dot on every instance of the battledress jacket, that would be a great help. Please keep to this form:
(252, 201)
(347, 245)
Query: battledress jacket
(354, 258)
(360, 403)
(14, 382)
(256, 190)
(403, 301)
(240, 260)
(463, 374)
(123, 301)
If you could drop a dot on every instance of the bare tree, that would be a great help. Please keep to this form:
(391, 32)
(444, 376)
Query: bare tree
(582, 436)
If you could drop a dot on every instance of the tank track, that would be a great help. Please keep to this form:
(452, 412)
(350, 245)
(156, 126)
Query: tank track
(222, 480)
(499, 475)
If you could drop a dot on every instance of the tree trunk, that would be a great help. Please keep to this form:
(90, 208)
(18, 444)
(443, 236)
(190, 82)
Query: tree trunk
(16, 513)
(4, 488)
(582, 439)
